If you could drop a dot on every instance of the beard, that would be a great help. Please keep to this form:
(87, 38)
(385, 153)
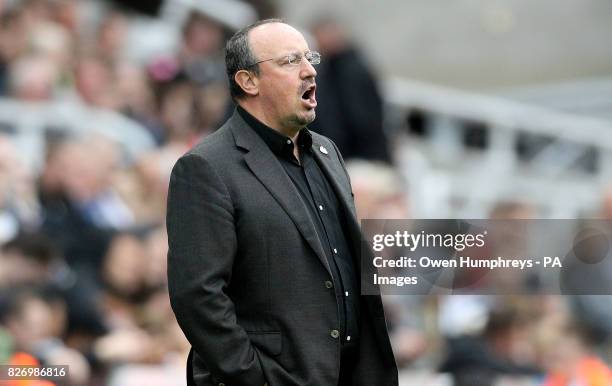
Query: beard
(300, 120)
(306, 118)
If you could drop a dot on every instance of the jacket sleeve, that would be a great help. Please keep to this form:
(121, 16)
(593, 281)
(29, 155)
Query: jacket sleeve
(202, 246)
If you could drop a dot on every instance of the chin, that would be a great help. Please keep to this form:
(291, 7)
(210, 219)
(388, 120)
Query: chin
(309, 117)
(301, 120)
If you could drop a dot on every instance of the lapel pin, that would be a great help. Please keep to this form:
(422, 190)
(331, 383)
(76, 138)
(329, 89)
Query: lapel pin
(323, 150)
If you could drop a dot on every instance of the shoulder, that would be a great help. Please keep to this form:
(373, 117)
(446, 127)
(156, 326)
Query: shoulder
(208, 157)
(214, 145)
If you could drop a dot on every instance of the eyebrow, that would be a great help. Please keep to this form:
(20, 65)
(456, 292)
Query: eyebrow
(294, 52)
(297, 53)
(283, 57)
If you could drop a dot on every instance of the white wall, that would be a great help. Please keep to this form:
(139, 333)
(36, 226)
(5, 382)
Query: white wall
(476, 44)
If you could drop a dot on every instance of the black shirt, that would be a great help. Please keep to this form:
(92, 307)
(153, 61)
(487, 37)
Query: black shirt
(326, 214)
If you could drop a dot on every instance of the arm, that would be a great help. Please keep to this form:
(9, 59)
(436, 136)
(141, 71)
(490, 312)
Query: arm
(202, 246)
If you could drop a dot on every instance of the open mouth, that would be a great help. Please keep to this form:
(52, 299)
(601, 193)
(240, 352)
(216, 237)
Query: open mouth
(308, 97)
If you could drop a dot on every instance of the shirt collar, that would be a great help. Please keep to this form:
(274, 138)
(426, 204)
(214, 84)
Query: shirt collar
(280, 144)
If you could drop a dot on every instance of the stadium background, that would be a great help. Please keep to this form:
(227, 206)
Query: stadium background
(468, 109)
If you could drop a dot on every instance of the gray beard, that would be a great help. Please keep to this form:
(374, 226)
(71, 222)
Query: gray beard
(299, 122)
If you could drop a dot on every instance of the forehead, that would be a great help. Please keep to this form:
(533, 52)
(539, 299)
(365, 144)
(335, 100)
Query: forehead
(276, 39)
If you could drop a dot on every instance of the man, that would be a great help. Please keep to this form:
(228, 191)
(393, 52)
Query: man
(263, 264)
(351, 108)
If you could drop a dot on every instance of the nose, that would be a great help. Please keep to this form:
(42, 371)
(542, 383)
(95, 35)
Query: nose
(307, 70)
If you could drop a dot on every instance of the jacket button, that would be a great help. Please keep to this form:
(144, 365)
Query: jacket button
(335, 334)
(221, 384)
(329, 284)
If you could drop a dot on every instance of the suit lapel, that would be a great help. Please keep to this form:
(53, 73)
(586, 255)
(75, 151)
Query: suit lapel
(271, 174)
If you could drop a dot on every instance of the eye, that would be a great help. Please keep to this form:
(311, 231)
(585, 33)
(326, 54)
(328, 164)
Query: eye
(293, 59)
(313, 57)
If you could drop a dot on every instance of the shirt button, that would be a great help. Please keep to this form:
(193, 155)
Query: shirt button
(348, 338)
(335, 334)
(329, 284)
(320, 207)
(335, 250)
(221, 384)
(346, 293)
(288, 143)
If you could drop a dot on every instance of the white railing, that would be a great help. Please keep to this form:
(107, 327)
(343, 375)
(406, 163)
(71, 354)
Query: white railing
(27, 124)
(446, 178)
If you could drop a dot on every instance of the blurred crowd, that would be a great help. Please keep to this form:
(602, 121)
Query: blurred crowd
(489, 340)
(83, 240)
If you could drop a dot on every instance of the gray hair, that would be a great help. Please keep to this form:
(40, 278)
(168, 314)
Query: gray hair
(239, 56)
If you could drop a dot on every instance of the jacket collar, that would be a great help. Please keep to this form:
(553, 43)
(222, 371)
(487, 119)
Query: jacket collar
(268, 170)
(280, 144)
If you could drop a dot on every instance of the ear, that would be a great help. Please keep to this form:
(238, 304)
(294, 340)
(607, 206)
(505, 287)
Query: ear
(248, 82)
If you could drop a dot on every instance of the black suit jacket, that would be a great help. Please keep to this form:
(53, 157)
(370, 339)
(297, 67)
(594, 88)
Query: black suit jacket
(247, 273)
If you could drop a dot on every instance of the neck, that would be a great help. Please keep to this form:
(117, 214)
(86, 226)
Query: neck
(260, 115)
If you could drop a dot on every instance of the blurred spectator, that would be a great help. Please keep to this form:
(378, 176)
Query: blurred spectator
(592, 249)
(87, 181)
(156, 244)
(137, 308)
(483, 359)
(86, 226)
(36, 323)
(510, 238)
(54, 42)
(488, 337)
(381, 194)
(568, 356)
(111, 36)
(513, 210)
(19, 207)
(81, 209)
(95, 82)
(31, 259)
(33, 78)
(153, 171)
(203, 39)
(137, 99)
(379, 190)
(12, 45)
(178, 114)
(66, 13)
(123, 277)
(195, 78)
(350, 108)
(213, 105)
(202, 61)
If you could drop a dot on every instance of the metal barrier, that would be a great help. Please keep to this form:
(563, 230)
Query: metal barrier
(558, 161)
(28, 123)
(561, 162)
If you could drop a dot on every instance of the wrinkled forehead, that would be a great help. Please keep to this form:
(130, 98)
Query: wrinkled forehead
(275, 39)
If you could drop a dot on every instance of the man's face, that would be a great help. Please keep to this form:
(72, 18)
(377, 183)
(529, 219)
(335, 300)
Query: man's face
(286, 91)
